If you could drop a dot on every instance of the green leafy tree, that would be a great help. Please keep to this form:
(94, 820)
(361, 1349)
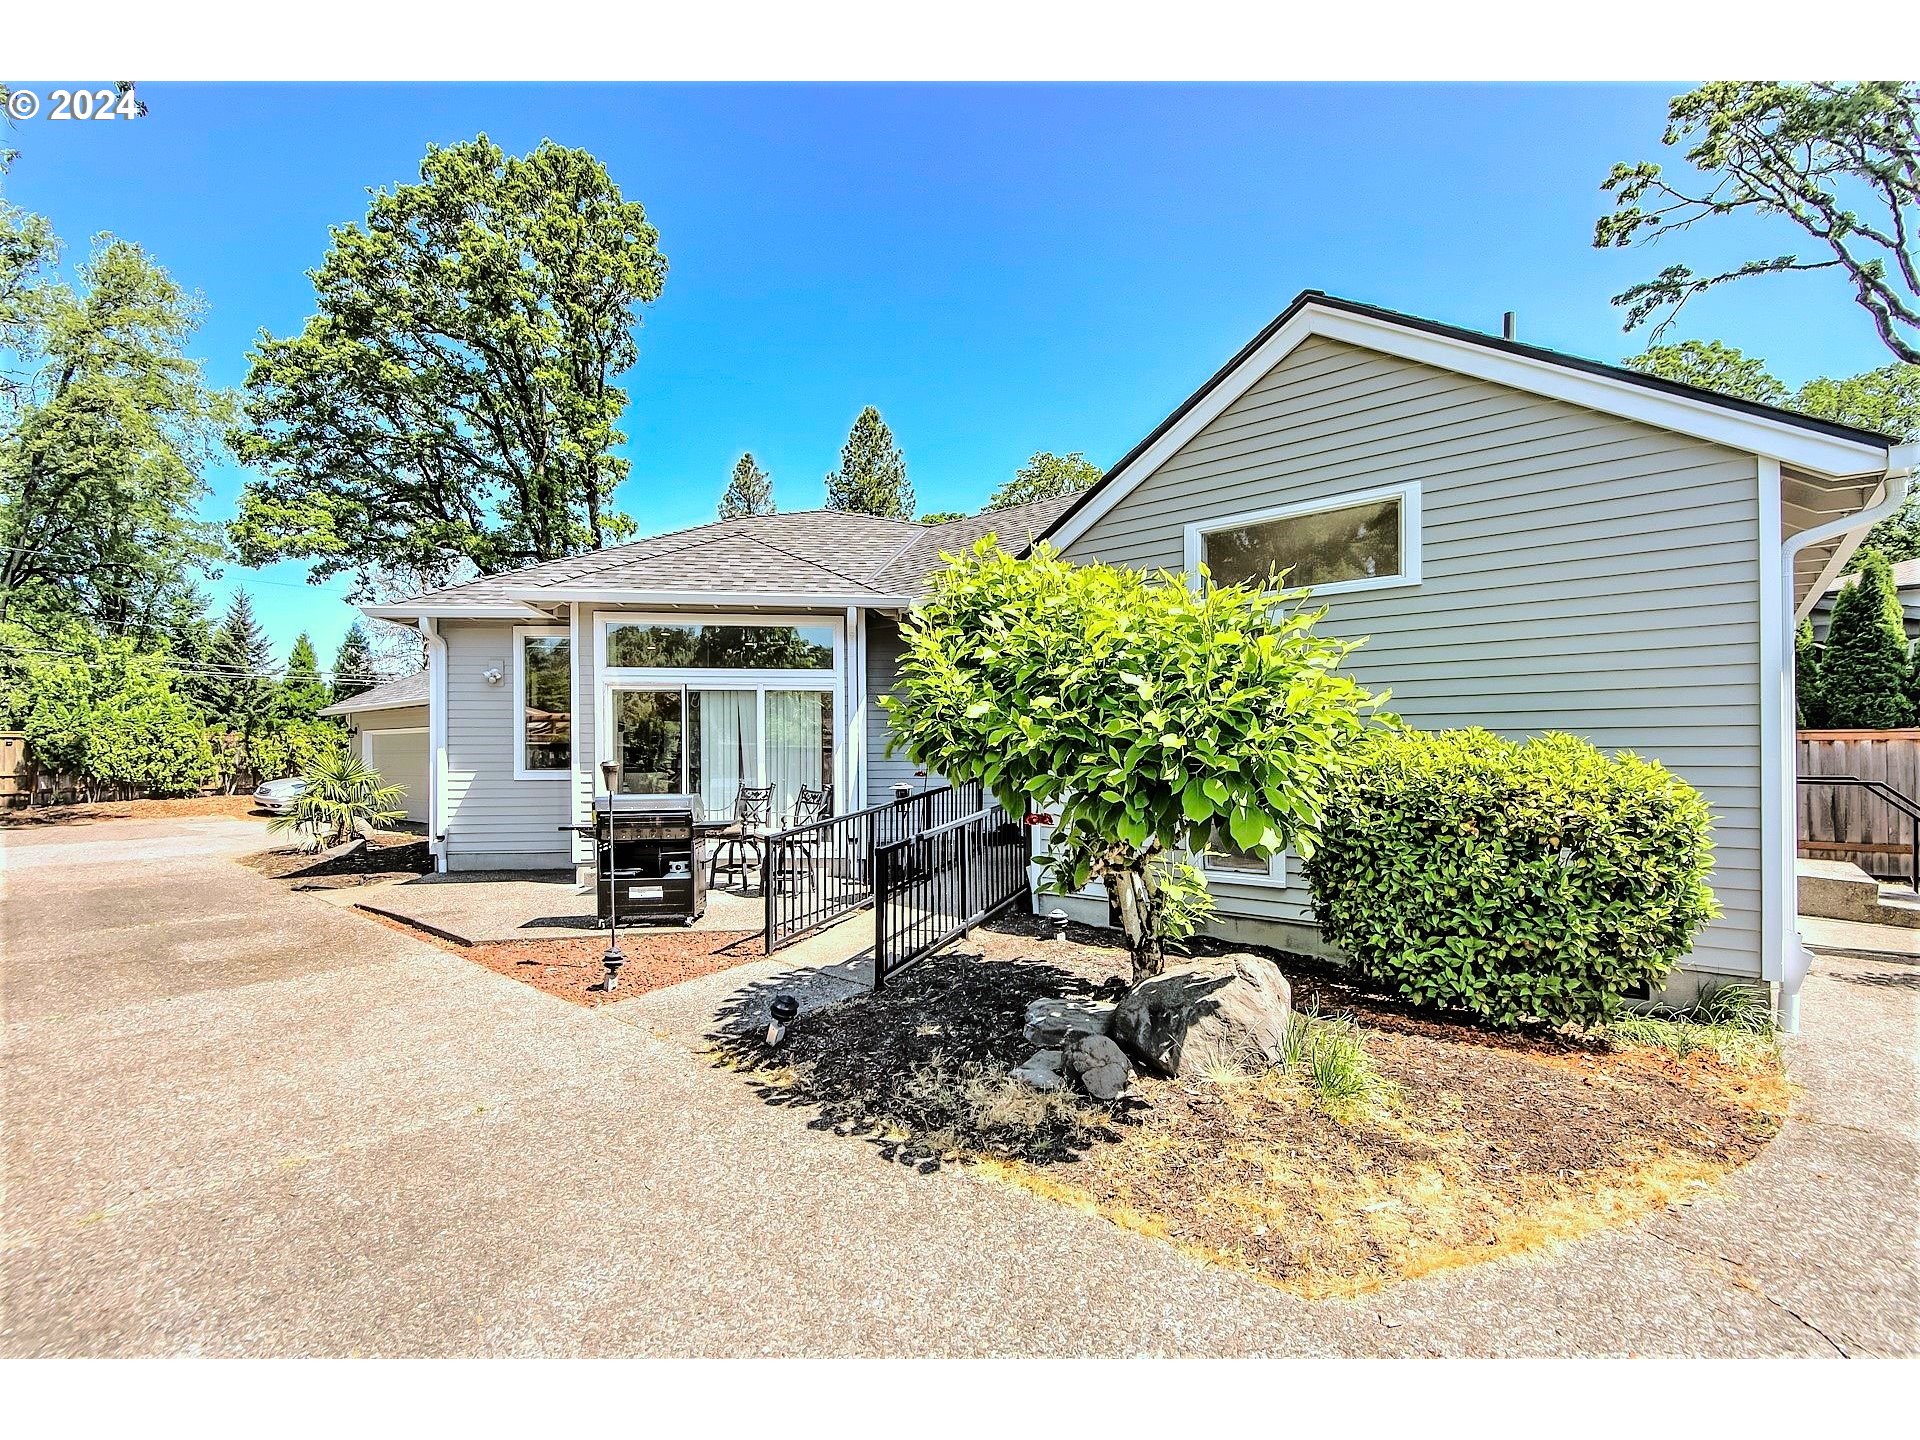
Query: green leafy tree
(1864, 670)
(1045, 476)
(1712, 366)
(353, 664)
(872, 478)
(451, 402)
(343, 794)
(301, 693)
(942, 517)
(149, 739)
(1143, 710)
(1810, 702)
(107, 429)
(749, 491)
(1840, 163)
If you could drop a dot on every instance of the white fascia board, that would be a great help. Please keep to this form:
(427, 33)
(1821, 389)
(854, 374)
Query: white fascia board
(738, 600)
(1826, 455)
(407, 610)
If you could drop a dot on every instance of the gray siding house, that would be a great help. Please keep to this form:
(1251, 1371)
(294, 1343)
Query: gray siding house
(1528, 541)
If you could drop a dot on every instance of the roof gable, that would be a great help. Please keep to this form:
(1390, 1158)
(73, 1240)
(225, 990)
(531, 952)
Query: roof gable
(1819, 446)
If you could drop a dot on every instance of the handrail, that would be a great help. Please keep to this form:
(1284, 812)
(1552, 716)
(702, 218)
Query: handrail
(1898, 799)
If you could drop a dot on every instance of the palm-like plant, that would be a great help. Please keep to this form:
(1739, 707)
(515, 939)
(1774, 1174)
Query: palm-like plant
(343, 793)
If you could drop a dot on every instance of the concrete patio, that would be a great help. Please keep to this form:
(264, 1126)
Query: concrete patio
(482, 907)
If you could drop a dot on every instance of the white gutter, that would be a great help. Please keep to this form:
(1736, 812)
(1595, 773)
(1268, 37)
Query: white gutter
(1791, 964)
(436, 741)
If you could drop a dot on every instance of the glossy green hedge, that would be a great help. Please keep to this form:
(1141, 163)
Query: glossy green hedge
(1512, 881)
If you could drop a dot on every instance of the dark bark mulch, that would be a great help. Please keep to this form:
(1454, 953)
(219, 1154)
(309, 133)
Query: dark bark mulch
(383, 855)
(1482, 1144)
(238, 807)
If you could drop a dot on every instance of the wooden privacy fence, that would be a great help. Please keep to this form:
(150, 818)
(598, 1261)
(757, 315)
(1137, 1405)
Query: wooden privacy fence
(1846, 822)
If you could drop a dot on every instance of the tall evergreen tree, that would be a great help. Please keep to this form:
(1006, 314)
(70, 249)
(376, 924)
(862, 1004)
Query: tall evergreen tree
(872, 478)
(353, 664)
(1864, 672)
(302, 692)
(1809, 701)
(238, 687)
(749, 492)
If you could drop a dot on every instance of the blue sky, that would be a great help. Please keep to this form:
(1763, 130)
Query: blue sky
(1001, 269)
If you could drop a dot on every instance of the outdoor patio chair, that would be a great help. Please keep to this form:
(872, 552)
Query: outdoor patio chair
(809, 806)
(746, 836)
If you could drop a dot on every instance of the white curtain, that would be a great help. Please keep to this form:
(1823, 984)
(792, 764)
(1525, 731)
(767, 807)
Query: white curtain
(729, 748)
(799, 744)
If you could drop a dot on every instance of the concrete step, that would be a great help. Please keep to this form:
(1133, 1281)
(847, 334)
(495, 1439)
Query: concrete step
(1836, 890)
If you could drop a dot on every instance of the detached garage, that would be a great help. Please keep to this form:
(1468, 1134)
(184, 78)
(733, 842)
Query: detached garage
(389, 728)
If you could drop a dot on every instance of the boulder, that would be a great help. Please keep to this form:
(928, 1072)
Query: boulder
(1043, 1071)
(1227, 1008)
(1101, 1067)
(1054, 1022)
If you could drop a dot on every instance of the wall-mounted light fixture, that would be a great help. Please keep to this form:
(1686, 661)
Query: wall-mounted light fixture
(494, 675)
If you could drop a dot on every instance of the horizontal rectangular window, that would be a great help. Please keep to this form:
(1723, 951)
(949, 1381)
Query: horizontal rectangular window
(643, 645)
(1364, 540)
(1227, 860)
(546, 704)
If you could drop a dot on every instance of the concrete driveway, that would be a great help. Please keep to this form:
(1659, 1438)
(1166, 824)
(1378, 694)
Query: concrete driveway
(242, 1121)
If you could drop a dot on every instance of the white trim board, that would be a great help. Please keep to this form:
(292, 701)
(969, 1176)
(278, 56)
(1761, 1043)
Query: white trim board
(517, 658)
(1804, 449)
(1408, 494)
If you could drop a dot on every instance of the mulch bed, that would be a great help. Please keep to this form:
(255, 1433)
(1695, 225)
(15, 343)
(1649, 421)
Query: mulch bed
(1489, 1143)
(238, 807)
(571, 969)
(385, 855)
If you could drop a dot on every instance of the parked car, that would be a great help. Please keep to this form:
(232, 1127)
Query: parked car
(279, 795)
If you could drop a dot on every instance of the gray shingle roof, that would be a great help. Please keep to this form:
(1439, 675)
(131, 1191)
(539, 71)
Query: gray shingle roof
(410, 690)
(825, 553)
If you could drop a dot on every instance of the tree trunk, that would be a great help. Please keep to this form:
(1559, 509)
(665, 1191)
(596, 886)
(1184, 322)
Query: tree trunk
(1138, 913)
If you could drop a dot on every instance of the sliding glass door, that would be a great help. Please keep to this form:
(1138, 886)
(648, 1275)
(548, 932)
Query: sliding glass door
(708, 743)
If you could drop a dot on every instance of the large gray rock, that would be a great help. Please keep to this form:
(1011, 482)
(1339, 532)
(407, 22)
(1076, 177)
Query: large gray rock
(1101, 1067)
(1043, 1071)
(1226, 1008)
(1053, 1023)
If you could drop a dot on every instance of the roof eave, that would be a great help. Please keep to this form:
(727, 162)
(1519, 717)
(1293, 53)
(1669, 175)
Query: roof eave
(730, 599)
(1588, 384)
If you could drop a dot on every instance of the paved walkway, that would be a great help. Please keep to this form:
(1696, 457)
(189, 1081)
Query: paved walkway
(240, 1121)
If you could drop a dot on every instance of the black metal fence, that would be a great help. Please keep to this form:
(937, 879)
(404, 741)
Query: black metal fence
(814, 874)
(933, 886)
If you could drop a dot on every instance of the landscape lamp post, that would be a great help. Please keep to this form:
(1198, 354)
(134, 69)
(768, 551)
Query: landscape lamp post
(613, 959)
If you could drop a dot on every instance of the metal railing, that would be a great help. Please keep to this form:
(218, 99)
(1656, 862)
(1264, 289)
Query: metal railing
(1900, 801)
(814, 874)
(935, 886)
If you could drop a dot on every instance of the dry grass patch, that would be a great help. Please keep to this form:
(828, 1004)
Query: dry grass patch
(1391, 1145)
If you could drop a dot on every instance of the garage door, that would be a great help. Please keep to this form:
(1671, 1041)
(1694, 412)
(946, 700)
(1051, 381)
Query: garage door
(401, 758)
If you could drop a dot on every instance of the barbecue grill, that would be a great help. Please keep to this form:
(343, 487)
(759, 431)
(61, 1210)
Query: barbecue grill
(646, 846)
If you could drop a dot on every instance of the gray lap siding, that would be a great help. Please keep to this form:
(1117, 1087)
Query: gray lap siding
(1579, 573)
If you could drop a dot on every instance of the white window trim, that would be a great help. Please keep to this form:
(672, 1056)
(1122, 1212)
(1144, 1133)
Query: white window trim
(521, 634)
(1274, 879)
(1407, 494)
(831, 682)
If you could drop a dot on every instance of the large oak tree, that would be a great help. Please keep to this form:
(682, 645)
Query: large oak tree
(451, 403)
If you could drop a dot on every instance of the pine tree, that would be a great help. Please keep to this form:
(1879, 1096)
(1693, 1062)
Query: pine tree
(749, 492)
(1809, 701)
(872, 478)
(353, 664)
(1864, 672)
(302, 692)
(238, 686)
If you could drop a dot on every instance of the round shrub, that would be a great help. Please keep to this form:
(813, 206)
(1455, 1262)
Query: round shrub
(1509, 880)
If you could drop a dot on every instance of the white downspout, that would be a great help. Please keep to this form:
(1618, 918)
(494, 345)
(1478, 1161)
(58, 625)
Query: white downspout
(436, 741)
(1791, 967)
